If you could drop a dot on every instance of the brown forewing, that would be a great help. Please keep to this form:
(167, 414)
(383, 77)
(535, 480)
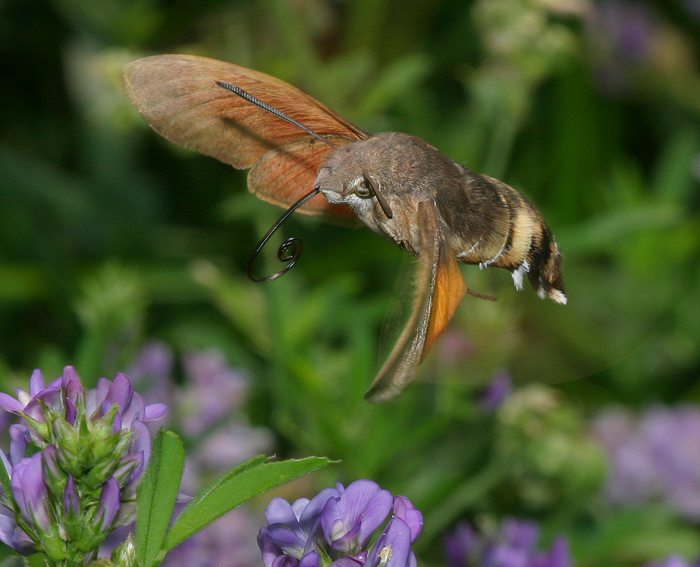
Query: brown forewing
(179, 98)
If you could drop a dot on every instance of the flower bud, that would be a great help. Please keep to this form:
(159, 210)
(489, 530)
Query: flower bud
(71, 500)
(109, 505)
(54, 476)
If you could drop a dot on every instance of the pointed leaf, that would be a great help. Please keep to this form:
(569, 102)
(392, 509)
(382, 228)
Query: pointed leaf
(5, 479)
(6, 551)
(240, 484)
(156, 497)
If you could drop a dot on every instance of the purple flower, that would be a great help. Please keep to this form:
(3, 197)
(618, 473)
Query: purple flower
(214, 390)
(120, 394)
(623, 35)
(291, 528)
(71, 499)
(30, 492)
(349, 519)
(31, 403)
(404, 510)
(674, 561)
(108, 507)
(393, 548)
(653, 457)
(75, 461)
(500, 387)
(513, 545)
(352, 526)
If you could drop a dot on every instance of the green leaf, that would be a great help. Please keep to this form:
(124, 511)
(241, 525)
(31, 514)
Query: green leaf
(6, 551)
(241, 483)
(5, 480)
(156, 498)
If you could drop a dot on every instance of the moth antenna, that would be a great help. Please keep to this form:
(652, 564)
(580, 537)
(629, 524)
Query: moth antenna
(289, 251)
(235, 89)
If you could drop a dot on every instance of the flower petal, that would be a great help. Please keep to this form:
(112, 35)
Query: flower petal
(404, 509)
(30, 492)
(8, 403)
(120, 391)
(279, 511)
(19, 438)
(393, 548)
(108, 507)
(36, 382)
(154, 412)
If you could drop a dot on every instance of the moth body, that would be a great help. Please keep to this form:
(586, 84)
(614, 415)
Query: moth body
(481, 220)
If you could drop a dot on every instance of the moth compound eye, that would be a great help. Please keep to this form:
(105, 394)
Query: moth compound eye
(363, 189)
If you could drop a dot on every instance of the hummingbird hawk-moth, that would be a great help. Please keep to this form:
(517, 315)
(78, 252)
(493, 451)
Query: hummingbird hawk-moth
(398, 185)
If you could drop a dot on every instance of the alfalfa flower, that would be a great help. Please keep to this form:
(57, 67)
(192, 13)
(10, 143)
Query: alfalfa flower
(76, 458)
(352, 526)
(513, 544)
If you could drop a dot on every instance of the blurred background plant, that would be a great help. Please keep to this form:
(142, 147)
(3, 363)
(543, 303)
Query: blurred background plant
(112, 238)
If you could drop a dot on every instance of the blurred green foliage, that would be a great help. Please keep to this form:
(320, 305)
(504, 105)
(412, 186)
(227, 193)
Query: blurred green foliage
(110, 236)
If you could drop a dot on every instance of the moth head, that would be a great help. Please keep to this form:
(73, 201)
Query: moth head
(346, 179)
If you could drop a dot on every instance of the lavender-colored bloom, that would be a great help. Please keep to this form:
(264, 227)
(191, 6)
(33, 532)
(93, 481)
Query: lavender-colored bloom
(495, 393)
(71, 499)
(213, 391)
(403, 509)
(514, 545)
(623, 34)
(120, 393)
(462, 546)
(77, 442)
(109, 506)
(349, 519)
(653, 457)
(291, 528)
(352, 526)
(19, 438)
(558, 556)
(30, 492)
(674, 561)
(31, 403)
(232, 444)
(393, 548)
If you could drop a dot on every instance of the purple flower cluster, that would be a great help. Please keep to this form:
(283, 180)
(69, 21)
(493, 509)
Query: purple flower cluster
(513, 545)
(674, 561)
(655, 456)
(75, 460)
(622, 34)
(353, 526)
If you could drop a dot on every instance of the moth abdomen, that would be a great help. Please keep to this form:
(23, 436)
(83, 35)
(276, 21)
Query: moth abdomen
(526, 243)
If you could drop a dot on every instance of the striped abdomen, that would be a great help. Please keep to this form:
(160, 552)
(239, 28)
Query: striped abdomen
(499, 227)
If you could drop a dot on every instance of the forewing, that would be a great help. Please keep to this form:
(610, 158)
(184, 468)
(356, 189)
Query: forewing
(439, 288)
(179, 98)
